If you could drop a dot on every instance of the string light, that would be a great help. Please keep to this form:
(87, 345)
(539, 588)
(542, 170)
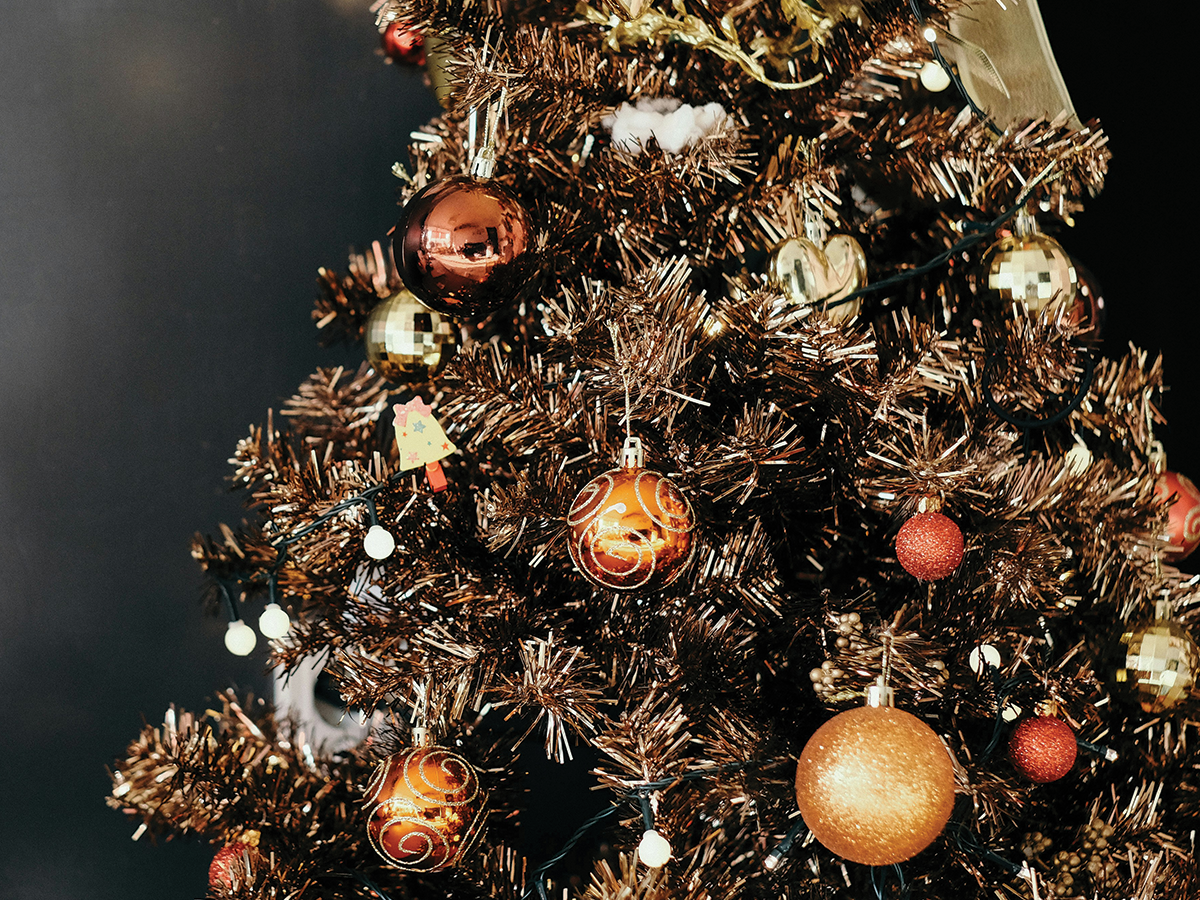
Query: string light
(654, 849)
(379, 542)
(240, 638)
(274, 621)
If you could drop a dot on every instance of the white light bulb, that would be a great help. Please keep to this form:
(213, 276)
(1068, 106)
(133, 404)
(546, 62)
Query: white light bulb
(240, 638)
(654, 850)
(934, 77)
(930, 35)
(274, 621)
(379, 542)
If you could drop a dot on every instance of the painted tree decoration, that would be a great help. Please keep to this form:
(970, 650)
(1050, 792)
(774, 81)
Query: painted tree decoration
(421, 441)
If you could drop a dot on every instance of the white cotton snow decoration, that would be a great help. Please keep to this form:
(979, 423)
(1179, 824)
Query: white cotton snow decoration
(674, 124)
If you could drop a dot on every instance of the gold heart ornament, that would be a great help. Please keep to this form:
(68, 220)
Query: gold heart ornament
(811, 276)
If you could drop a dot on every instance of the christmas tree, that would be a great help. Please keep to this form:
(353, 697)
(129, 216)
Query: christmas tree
(788, 501)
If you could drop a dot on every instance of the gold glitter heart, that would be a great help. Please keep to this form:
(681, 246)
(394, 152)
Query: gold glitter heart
(809, 275)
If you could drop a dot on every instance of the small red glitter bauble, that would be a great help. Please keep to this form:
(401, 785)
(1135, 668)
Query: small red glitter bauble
(1042, 748)
(929, 546)
(403, 44)
(228, 868)
(1183, 526)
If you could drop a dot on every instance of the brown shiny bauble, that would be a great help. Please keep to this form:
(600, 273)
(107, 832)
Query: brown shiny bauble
(1089, 312)
(929, 546)
(1183, 523)
(403, 44)
(426, 809)
(1043, 748)
(1155, 665)
(875, 785)
(631, 529)
(463, 245)
(407, 341)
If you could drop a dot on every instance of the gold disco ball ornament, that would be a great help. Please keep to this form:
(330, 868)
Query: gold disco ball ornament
(407, 341)
(1031, 268)
(1156, 663)
(875, 785)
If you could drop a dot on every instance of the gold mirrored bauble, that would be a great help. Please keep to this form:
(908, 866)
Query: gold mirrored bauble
(809, 275)
(425, 809)
(406, 341)
(1032, 269)
(1156, 665)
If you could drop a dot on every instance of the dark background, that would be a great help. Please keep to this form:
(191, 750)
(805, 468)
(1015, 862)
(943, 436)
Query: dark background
(171, 175)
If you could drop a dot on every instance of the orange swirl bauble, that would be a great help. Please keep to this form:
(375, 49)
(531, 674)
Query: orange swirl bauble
(425, 807)
(875, 785)
(631, 529)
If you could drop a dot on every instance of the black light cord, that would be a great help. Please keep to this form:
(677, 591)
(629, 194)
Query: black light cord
(915, 6)
(1027, 423)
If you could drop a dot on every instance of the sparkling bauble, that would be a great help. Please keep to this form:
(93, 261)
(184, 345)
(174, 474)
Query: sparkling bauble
(811, 275)
(230, 865)
(463, 245)
(929, 546)
(1155, 665)
(403, 44)
(425, 807)
(1032, 269)
(875, 785)
(1183, 524)
(631, 529)
(1089, 312)
(1042, 748)
(407, 341)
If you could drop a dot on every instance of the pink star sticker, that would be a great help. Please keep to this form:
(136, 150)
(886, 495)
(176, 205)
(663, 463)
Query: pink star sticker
(415, 405)
(413, 457)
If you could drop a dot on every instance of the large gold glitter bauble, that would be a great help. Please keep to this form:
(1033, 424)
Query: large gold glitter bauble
(1156, 665)
(631, 529)
(407, 341)
(875, 785)
(811, 275)
(1032, 269)
(426, 808)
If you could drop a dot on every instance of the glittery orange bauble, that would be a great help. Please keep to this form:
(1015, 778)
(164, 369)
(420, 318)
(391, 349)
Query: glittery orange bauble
(929, 546)
(1183, 525)
(1042, 748)
(631, 529)
(425, 807)
(875, 785)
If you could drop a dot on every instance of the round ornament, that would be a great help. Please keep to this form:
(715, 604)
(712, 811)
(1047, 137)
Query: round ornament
(1089, 312)
(1042, 748)
(463, 245)
(1183, 524)
(403, 44)
(875, 785)
(929, 546)
(230, 866)
(1156, 665)
(1032, 269)
(425, 809)
(631, 528)
(407, 341)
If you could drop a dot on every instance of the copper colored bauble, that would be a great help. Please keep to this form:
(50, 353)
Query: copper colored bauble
(929, 546)
(1183, 524)
(403, 44)
(1042, 748)
(407, 341)
(875, 785)
(425, 809)
(1089, 312)
(631, 529)
(463, 245)
(230, 865)
(1155, 665)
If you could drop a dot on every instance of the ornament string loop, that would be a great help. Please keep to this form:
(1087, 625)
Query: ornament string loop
(1027, 423)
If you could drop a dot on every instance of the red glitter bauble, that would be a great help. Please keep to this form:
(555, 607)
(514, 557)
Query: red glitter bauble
(228, 868)
(403, 44)
(1042, 748)
(929, 546)
(1183, 526)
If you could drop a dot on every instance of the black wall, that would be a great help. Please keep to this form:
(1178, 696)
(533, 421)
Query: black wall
(171, 175)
